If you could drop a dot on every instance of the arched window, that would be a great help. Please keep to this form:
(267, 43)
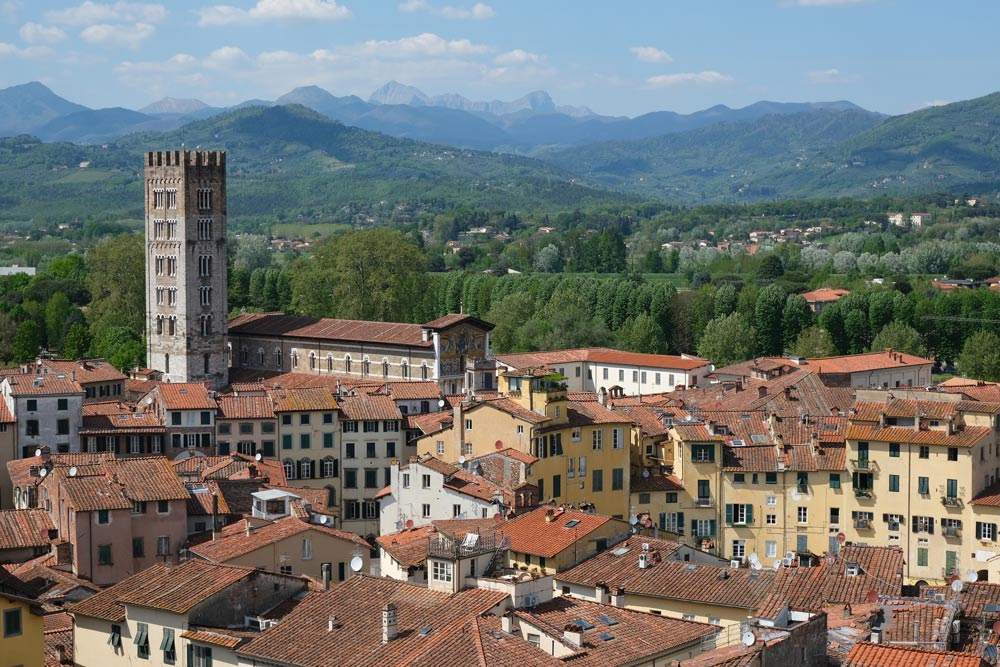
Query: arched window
(404, 369)
(305, 469)
(295, 359)
(329, 363)
(260, 357)
(312, 361)
(171, 326)
(206, 325)
(277, 358)
(289, 466)
(207, 359)
(385, 367)
(366, 366)
(347, 363)
(423, 371)
(166, 363)
(244, 356)
(329, 468)
(159, 325)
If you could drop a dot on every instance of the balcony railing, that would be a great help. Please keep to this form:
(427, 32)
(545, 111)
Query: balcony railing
(864, 465)
(703, 502)
(952, 531)
(863, 524)
(864, 493)
(951, 501)
(473, 544)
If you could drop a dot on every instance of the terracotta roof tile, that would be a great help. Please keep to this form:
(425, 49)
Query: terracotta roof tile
(245, 407)
(42, 385)
(864, 654)
(314, 399)
(667, 579)
(409, 547)
(234, 541)
(531, 533)
(216, 636)
(179, 588)
(512, 408)
(965, 436)
(86, 370)
(363, 406)
(431, 422)
(824, 295)
(186, 396)
(23, 529)
(601, 355)
(654, 482)
(289, 326)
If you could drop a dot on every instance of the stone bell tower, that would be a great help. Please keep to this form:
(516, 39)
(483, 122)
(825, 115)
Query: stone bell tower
(186, 289)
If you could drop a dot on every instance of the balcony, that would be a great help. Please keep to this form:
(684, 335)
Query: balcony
(951, 531)
(862, 524)
(864, 493)
(864, 465)
(951, 501)
(703, 502)
(473, 544)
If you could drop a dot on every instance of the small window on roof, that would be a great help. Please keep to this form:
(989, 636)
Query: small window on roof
(606, 636)
(607, 621)
(584, 624)
(572, 523)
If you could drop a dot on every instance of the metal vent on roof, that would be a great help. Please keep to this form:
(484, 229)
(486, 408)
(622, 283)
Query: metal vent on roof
(606, 636)
(426, 631)
(620, 551)
(607, 621)
(754, 575)
(584, 624)
(182, 391)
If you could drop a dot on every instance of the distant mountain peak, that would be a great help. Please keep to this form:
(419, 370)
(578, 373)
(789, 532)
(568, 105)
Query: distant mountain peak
(395, 92)
(174, 105)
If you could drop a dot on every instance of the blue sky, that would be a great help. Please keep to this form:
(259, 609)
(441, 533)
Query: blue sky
(620, 58)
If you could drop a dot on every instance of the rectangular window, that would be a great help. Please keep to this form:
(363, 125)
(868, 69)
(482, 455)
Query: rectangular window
(702, 453)
(350, 478)
(425, 510)
(617, 438)
(201, 656)
(304, 419)
(597, 481)
(286, 441)
(894, 483)
(925, 452)
(770, 478)
(104, 554)
(138, 507)
(953, 453)
(350, 427)
(370, 450)
(370, 426)
(304, 441)
(923, 485)
(142, 640)
(138, 547)
(598, 437)
(922, 556)
(986, 531)
(62, 404)
(406, 480)
(371, 478)
(894, 450)
(803, 514)
(206, 418)
(425, 481)
(772, 520)
(163, 545)
(103, 517)
(442, 571)
(834, 480)
(643, 498)
(617, 479)
(327, 440)
(12, 623)
(835, 515)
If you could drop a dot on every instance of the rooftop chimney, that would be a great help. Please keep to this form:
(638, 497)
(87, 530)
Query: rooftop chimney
(602, 593)
(761, 392)
(618, 597)
(507, 622)
(332, 623)
(326, 576)
(573, 634)
(249, 527)
(390, 626)
(215, 515)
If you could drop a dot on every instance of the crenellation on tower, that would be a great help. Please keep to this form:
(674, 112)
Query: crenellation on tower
(186, 290)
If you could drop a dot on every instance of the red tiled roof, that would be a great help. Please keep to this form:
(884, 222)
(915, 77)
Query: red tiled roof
(363, 406)
(245, 407)
(743, 587)
(122, 423)
(86, 370)
(114, 483)
(411, 391)
(51, 584)
(864, 654)
(988, 497)
(20, 470)
(601, 355)
(530, 533)
(289, 326)
(235, 542)
(24, 529)
(431, 422)
(824, 295)
(186, 396)
(408, 547)
(302, 399)
(964, 436)
(512, 408)
(655, 482)
(5, 416)
(857, 363)
(871, 411)
(217, 636)
(42, 385)
(452, 319)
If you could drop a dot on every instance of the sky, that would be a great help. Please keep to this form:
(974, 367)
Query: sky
(616, 58)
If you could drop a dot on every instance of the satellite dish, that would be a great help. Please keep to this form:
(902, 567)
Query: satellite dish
(149, 399)
(258, 456)
(972, 576)
(996, 627)
(357, 563)
(43, 472)
(749, 638)
(440, 402)
(777, 564)
(322, 520)
(756, 566)
(461, 460)
(399, 525)
(409, 523)
(633, 520)
(957, 585)
(990, 653)
(38, 452)
(73, 471)
(645, 473)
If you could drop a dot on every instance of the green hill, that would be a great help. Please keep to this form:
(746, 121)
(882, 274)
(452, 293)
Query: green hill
(282, 160)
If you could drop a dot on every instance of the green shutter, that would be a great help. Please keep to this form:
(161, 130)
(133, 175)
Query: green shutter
(190, 661)
(729, 514)
(749, 514)
(712, 528)
(680, 523)
(208, 657)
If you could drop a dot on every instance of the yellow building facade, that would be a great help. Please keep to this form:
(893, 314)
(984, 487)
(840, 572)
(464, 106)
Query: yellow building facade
(22, 635)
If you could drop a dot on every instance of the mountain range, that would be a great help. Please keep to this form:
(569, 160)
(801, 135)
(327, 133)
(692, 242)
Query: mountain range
(526, 125)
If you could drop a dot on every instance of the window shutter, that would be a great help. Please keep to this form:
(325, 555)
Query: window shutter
(694, 527)
(312, 469)
(914, 523)
(680, 523)
(994, 538)
(930, 525)
(854, 479)
(208, 657)
(663, 520)
(190, 654)
(885, 518)
(979, 530)
(712, 528)
(729, 514)
(749, 514)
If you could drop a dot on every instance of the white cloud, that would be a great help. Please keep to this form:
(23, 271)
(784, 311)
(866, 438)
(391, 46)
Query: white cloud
(274, 10)
(426, 44)
(10, 10)
(934, 103)
(650, 54)
(688, 79)
(91, 13)
(31, 52)
(130, 35)
(517, 57)
(228, 58)
(182, 62)
(825, 76)
(478, 12)
(35, 33)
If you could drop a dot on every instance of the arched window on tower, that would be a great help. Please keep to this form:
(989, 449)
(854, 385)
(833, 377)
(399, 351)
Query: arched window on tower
(159, 325)
(423, 371)
(206, 325)
(366, 366)
(207, 364)
(312, 361)
(404, 369)
(277, 358)
(260, 357)
(166, 363)
(329, 363)
(347, 363)
(295, 359)
(244, 355)
(172, 326)
(385, 368)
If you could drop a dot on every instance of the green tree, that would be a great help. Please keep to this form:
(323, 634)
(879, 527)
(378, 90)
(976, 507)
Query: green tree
(813, 342)
(116, 278)
(980, 357)
(57, 313)
(900, 337)
(375, 274)
(8, 331)
(548, 259)
(77, 341)
(27, 342)
(727, 340)
(768, 313)
(652, 261)
(641, 334)
(770, 267)
(509, 313)
(252, 251)
(726, 299)
(796, 316)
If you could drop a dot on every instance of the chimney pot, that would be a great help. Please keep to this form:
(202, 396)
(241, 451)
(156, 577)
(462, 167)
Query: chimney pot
(390, 625)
